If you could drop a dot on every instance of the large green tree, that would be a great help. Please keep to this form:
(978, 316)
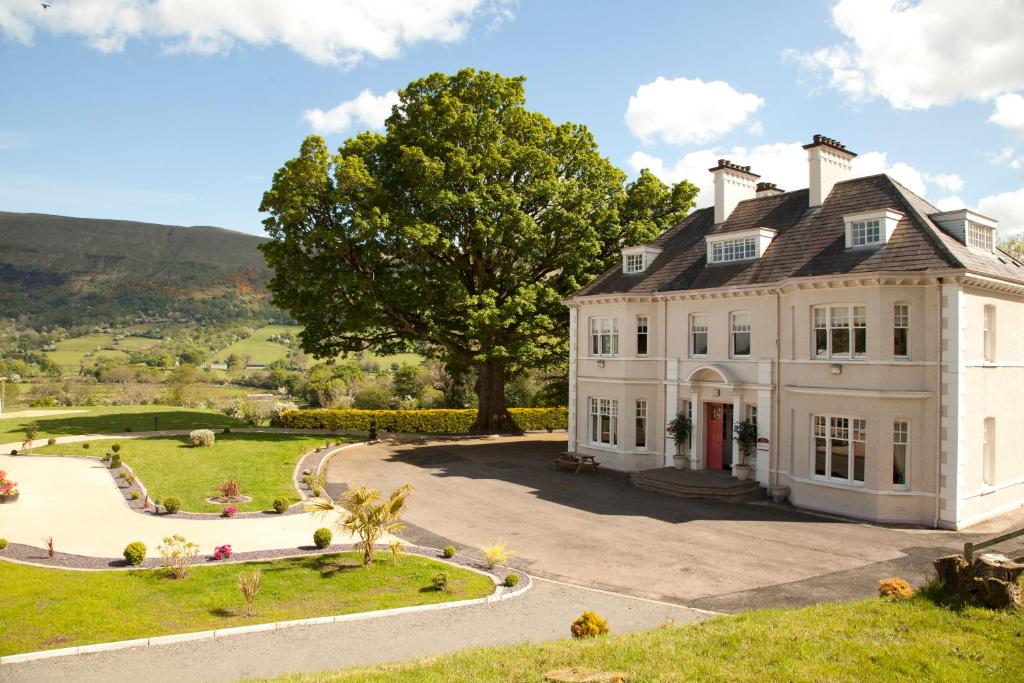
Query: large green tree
(461, 228)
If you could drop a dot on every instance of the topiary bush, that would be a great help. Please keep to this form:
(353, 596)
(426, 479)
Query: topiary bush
(280, 505)
(419, 421)
(322, 538)
(135, 553)
(51, 441)
(894, 587)
(3, 543)
(115, 461)
(588, 626)
(115, 447)
(511, 580)
(441, 583)
(172, 504)
(449, 551)
(201, 438)
(85, 445)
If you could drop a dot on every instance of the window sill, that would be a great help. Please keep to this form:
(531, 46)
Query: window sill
(838, 483)
(604, 447)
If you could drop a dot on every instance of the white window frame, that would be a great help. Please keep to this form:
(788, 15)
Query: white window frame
(866, 233)
(695, 331)
(832, 426)
(736, 325)
(856, 318)
(635, 263)
(640, 424)
(750, 412)
(988, 451)
(901, 438)
(601, 408)
(604, 329)
(729, 251)
(981, 236)
(901, 321)
(868, 229)
(643, 328)
(989, 333)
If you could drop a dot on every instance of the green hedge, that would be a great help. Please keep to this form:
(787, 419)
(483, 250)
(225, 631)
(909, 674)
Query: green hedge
(418, 421)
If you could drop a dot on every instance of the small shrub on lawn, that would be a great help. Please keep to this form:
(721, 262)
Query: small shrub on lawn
(3, 543)
(894, 587)
(85, 445)
(223, 552)
(280, 505)
(229, 490)
(179, 554)
(135, 495)
(201, 438)
(229, 511)
(441, 583)
(496, 554)
(449, 551)
(396, 550)
(172, 504)
(135, 553)
(116, 447)
(511, 580)
(322, 538)
(106, 457)
(51, 441)
(249, 584)
(588, 626)
(115, 461)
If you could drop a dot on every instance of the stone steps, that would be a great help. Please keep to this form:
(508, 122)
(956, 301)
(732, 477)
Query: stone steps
(699, 486)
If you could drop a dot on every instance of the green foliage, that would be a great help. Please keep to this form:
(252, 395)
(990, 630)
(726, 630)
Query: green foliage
(115, 447)
(588, 625)
(442, 421)
(135, 553)
(461, 228)
(449, 551)
(367, 515)
(3, 543)
(373, 397)
(115, 461)
(1014, 246)
(249, 585)
(280, 505)
(202, 438)
(511, 580)
(746, 437)
(172, 504)
(495, 554)
(178, 554)
(322, 537)
(441, 583)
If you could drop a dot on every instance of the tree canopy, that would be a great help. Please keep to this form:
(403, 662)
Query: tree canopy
(461, 228)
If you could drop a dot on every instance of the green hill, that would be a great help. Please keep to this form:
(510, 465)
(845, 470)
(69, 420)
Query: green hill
(73, 271)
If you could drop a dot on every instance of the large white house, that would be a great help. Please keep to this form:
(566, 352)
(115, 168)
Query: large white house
(875, 340)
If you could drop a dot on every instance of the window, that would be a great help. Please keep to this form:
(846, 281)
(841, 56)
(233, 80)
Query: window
(988, 451)
(750, 413)
(900, 453)
(901, 331)
(741, 334)
(641, 423)
(838, 447)
(698, 334)
(989, 333)
(980, 236)
(641, 335)
(604, 337)
(840, 331)
(734, 250)
(604, 419)
(863, 233)
(635, 263)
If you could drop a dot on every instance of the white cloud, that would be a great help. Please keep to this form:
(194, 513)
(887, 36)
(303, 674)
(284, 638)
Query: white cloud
(366, 108)
(951, 203)
(872, 163)
(917, 55)
(950, 182)
(1009, 113)
(1007, 208)
(683, 111)
(338, 33)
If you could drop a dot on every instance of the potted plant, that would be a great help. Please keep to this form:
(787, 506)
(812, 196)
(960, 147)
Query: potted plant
(8, 489)
(745, 433)
(679, 429)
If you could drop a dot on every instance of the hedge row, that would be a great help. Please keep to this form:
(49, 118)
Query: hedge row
(420, 421)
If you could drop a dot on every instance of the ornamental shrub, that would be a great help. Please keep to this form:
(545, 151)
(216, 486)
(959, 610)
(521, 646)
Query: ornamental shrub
(135, 553)
(229, 511)
(3, 543)
(441, 583)
(115, 447)
(511, 580)
(894, 587)
(51, 441)
(223, 552)
(179, 553)
(135, 495)
(449, 551)
(495, 554)
(322, 538)
(588, 626)
(415, 421)
(85, 445)
(115, 461)
(201, 438)
(280, 505)
(172, 504)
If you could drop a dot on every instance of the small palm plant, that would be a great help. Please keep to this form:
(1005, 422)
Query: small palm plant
(367, 515)
(249, 584)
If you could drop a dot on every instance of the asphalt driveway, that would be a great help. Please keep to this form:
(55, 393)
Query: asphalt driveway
(600, 532)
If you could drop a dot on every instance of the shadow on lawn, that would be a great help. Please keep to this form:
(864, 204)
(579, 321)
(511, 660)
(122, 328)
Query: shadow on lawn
(114, 423)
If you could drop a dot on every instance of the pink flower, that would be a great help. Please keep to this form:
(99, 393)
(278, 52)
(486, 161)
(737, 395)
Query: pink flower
(229, 511)
(222, 552)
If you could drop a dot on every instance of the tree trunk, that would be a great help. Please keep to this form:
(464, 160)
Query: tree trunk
(492, 414)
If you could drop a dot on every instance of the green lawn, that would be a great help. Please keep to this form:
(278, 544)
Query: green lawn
(52, 608)
(114, 420)
(169, 466)
(257, 348)
(70, 352)
(870, 640)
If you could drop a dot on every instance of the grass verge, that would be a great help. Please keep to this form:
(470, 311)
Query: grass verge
(262, 463)
(869, 640)
(53, 608)
(113, 420)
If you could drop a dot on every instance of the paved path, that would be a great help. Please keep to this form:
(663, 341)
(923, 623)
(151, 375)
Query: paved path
(544, 613)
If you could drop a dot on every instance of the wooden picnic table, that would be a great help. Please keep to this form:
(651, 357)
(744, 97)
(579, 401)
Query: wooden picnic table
(576, 460)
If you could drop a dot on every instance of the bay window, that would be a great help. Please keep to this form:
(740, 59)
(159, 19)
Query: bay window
(840, 331)
(838, 448)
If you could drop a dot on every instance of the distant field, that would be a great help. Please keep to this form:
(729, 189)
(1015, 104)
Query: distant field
(257, 348)
(113, 420)
(70, 352)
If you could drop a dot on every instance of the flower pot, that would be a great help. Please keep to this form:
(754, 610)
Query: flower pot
(779, 494)
(9, 498)
(742, 472)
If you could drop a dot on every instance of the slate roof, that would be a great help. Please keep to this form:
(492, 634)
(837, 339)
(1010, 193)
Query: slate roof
(809, 241)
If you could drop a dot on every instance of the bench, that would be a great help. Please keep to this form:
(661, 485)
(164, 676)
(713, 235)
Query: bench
(577, 461)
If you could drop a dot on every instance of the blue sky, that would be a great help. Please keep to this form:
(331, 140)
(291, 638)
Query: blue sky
(151, 110)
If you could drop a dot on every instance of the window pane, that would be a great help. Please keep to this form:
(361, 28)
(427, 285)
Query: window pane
(860, 341)
(840, 341)
(840, 459)
(641, 344)
(741, 343)
(819, 456)
(899, 465)
(700, 343)
(858, 461)
(821, 342)
(899, 342)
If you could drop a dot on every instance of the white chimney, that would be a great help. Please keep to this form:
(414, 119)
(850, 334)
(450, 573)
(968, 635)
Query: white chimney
(733, 184)
(768, 190)
(829, 162)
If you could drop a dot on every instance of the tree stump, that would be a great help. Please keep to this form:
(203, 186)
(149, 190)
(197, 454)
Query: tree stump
(992, 580)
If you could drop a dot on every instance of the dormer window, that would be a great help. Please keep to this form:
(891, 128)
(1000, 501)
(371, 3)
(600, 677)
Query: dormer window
(980, 236)
(972, 229)
(740, 245)
(636, 259)
(870, 228)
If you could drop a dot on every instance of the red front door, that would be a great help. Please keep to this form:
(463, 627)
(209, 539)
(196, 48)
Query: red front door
(713, 434)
